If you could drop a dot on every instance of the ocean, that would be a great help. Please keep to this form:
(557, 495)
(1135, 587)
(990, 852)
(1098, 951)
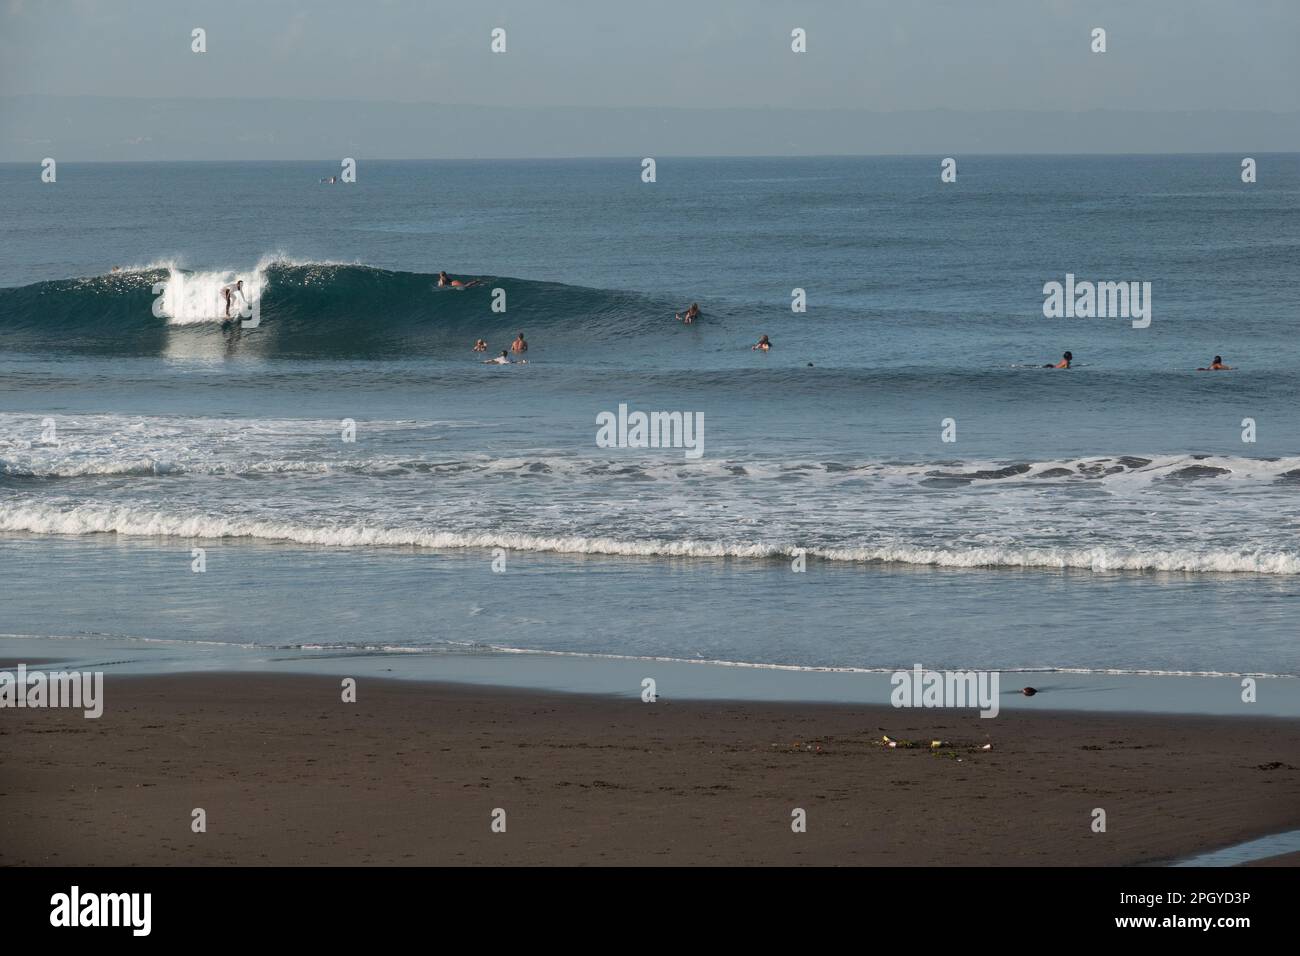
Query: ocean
(897, 481)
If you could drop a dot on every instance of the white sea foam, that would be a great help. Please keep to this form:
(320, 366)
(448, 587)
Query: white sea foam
(107, 445)
(135, 475)
(192, 297)
(98, 519)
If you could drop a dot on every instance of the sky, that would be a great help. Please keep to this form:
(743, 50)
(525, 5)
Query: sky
(887, 56)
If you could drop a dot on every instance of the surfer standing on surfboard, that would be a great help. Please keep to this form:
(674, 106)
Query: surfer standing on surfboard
(229, 291)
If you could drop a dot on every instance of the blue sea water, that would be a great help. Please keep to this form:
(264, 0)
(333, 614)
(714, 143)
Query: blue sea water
(1106, 518)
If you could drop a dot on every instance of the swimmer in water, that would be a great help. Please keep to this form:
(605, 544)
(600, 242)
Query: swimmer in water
(446, 280)
(1216, 366)
(518, 346)
(762, 345)
(502, 359)
(1066, 359)
(480, 346)
(690, 315)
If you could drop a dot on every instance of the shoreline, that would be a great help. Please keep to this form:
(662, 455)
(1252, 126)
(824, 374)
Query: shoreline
(545, 671)
(410, 774)
(441, 617)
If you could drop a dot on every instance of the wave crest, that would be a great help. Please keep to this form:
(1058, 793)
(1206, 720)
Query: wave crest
(93, 519)
(305, 310)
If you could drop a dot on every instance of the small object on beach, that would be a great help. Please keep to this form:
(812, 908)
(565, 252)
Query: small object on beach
(987, 747)
(1029, 691)
(893, 744)
(935, 743)
(885, 739)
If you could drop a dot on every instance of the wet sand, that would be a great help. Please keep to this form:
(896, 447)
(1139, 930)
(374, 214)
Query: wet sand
(411, 774)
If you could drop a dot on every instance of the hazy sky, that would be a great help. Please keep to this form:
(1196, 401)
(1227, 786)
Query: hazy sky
(899, 55)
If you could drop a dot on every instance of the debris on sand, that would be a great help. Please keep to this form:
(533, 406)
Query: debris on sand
(937, 746)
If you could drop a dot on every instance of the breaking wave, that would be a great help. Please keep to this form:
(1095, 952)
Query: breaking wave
(303, 310)
(97, 519)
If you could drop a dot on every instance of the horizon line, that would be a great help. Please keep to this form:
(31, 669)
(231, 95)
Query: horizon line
(684, 109)
(620, 157)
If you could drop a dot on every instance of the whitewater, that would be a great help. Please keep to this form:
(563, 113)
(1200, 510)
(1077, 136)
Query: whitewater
(164, 477)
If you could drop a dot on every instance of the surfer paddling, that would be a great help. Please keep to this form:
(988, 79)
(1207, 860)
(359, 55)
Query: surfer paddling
(504, 359)
(1216, 366)
(446, 281)
(1066, 359)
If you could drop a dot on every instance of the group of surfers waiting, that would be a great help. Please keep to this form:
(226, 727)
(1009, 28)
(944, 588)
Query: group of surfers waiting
(519, 346)
(688, 317)
(692, 312)
(1215, 366)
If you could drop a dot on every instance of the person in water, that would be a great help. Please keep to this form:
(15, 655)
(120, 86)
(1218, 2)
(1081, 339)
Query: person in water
(762, 345)
(1066, 359)
(446, 280)
(519, 346)
(502, 359)
(229, 291)
(690, 315)
(480, 346)
(1216, 366)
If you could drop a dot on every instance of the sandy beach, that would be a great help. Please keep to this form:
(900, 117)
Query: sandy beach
(411, 774)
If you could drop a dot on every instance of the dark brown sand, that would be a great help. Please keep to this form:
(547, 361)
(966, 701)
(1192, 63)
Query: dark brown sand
(411, 773)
